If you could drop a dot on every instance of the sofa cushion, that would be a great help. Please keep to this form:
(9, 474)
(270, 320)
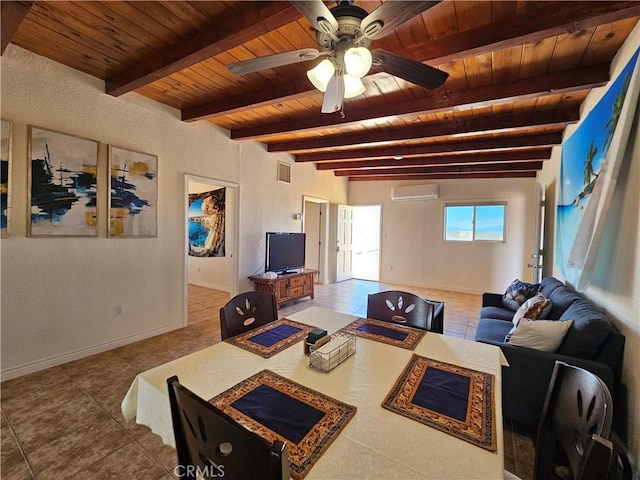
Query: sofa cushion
(549, 284)
(499, 313)
(590, 328)
(543, 335)
(533, 309)
(561, 298)
(490, 330)
(519, 292)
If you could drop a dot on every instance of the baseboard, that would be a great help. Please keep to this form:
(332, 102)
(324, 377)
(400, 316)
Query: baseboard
(56, 360)
(212, 286)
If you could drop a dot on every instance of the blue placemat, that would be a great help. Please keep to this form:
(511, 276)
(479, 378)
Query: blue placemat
(271, 338)
(386, 332)
(280, 409)
(453, 399)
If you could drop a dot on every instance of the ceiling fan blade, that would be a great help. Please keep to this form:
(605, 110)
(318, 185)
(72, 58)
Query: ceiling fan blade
(271, 61)
(390, 15)
(318, 14)
(410, 70)
(334, 95)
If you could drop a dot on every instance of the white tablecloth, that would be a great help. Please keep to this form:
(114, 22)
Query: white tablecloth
(376, 443)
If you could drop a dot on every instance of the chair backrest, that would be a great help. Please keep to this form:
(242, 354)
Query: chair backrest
(247, 311)
(607, 460)
(578, 406)
(211, 444)
(406, 309)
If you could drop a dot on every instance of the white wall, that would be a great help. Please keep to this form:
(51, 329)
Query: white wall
(214, 272)
(414, 252)
(616, 280)
(59, 294)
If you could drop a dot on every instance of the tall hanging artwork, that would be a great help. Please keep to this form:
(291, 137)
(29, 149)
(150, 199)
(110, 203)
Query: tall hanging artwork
(133, 193)
(207, 223)
(5, 176)
(63, 184)
(589, 169)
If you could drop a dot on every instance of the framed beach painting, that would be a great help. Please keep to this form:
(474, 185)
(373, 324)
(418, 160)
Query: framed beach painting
(590, 164)
(63, 186)
(133, 193)
(5, 176)
(207, 211)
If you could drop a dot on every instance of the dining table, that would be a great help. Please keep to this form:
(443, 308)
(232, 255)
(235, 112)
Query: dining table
(376, 442)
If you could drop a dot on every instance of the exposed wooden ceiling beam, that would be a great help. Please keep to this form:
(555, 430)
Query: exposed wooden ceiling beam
(489, 167)
(445, 148)
(523, 155)
(258, 18)
(546, 21)
(446, 176)
(552, 83)
(387, 136)
(11, 16)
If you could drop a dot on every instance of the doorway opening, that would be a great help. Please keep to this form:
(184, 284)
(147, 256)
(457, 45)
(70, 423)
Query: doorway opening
(366, 242)
(315, 225)
(211, 237)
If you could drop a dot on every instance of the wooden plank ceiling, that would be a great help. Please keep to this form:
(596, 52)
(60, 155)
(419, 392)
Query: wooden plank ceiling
(518, 73)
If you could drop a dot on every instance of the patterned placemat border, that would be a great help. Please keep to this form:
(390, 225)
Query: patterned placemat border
(304, 454)
(243, 340)
(410, 342)
(479, 426)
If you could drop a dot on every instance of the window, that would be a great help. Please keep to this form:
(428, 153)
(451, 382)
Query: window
(475, 222)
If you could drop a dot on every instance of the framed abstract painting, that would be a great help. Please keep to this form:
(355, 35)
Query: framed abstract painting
(133, 193)
(5, 176)
(63, 187)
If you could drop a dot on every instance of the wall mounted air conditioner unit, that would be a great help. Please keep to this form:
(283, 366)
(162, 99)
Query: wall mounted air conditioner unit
(414, 192)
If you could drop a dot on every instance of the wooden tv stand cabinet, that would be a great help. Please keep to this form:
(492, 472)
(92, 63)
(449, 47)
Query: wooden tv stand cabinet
(287, 287)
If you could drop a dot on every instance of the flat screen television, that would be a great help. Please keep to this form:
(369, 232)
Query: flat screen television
(285, 252)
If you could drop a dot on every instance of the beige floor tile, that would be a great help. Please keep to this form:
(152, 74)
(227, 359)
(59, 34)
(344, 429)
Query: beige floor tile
(129, 462)
(37, 429)
(13, 464)
(163, 454)
(78, 450)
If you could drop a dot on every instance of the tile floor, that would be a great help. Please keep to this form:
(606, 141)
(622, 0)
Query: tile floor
(65, 422)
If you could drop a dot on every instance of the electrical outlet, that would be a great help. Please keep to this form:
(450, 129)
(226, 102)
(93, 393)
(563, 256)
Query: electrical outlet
(119, 311)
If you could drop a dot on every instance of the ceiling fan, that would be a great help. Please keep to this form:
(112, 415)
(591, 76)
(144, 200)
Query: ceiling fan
(344, 34)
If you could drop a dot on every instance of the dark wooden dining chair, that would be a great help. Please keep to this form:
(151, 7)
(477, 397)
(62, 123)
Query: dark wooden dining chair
(406, 308)
(578, 408)
(247, 311)
(211, 444)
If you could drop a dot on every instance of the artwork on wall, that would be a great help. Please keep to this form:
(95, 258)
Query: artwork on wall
(207, 223)
(63, 184)
(133, 193)
(5, 175)
(590, 164)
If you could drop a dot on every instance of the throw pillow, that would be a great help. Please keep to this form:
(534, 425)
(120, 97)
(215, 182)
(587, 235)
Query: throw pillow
(519, 292)
(543, 335)
(533, 309)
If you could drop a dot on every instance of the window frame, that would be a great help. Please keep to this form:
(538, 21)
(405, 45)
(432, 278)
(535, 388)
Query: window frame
(474, 205)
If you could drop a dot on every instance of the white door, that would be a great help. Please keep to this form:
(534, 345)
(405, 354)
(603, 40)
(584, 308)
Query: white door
(366, 242)
(537, 256)
(344, 247)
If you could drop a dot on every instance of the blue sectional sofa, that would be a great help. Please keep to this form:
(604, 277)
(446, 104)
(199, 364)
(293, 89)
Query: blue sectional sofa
(592, 342)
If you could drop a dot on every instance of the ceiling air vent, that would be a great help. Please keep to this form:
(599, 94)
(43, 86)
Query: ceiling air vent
(284, 172)
(414, 192)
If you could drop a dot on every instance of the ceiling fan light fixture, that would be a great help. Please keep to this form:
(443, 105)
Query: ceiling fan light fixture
(353, 86)
(357, 61)
(321, 74)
